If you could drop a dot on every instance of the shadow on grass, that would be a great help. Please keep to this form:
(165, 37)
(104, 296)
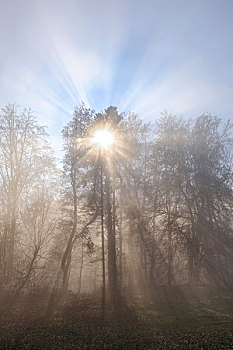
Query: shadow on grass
(77, 324)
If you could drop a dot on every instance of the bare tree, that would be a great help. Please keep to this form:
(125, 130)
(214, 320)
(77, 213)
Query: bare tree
(23, 148)
(80, 215)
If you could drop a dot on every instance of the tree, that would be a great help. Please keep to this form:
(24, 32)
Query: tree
(23, 150)
(80, 209)
(196, 170)
(36, 225)
(112, 118)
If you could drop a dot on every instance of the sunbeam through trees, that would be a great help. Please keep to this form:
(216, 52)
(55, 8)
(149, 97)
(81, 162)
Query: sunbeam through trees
(137, 225)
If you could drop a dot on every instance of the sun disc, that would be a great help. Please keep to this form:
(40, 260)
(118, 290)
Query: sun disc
(103, 138)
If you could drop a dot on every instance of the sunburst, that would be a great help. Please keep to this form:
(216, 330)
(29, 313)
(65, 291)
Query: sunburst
(102, 138)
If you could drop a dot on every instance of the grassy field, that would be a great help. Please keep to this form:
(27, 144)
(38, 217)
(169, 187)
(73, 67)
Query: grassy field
(138, 325)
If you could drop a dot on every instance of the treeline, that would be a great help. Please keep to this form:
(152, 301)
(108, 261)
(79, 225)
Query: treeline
(163, 190)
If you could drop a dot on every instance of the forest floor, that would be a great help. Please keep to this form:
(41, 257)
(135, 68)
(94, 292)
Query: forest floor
(139, 325)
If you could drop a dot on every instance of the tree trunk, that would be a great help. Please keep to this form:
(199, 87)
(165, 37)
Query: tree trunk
(112, 269)
(120, 242)
(80, 273)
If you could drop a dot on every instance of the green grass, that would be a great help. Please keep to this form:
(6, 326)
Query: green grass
(78, 325)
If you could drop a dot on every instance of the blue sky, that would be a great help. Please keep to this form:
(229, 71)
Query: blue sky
(144, 56)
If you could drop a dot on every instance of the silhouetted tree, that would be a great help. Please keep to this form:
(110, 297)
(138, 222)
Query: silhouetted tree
(80, 209)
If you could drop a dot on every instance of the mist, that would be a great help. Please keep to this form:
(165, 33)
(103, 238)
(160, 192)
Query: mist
(116, 193)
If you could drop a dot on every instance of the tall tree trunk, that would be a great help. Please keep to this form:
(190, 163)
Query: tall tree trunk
(120, 242)
(66, 259)
(112, 269)
(66, 273)
(80, 272)
(170, 248)
(102, 236)
(12, 231)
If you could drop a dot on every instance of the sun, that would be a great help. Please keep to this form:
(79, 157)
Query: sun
(103, 138)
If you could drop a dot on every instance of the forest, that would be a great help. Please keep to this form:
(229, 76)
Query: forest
(125, 244)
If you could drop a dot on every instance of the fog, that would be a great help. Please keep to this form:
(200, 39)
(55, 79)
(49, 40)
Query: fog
(140, 216)
(116, 193)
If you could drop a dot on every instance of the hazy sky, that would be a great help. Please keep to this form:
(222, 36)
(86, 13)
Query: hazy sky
(144, 56)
